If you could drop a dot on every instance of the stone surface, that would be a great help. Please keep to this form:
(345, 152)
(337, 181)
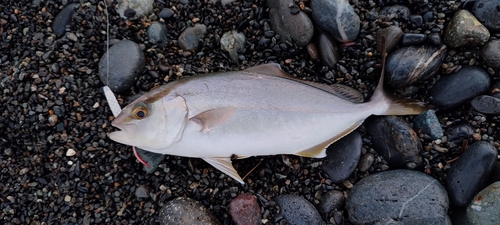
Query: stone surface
(342, 157)
(63, 19)
(142, 192)
(245, 210)
(491, 53)
(366, 162)
(336, 17)
(185, 210)
(396, 141)
(416, 21)
(484, 208)
(412, 64)
(232, 42)
(495, 90)
(293, 27)
(413, 39)
(455, 89)
(398, 197)
(328, 50)
(465, 30)
(486, 104)
(141, 7)
(297, 210)
(395, 11)
(158, 32)
(392, 36)
(166, 13)
(486, 11)
(458, 133)
(126, 61)
(435, 39)
(468, 175)
(330, 201)
(189, 40)
(429, 124)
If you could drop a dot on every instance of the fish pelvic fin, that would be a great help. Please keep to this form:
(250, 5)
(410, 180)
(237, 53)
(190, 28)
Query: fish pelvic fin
(225, 165)
(394, 105)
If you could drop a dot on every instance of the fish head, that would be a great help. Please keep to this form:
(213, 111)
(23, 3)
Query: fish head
(151, 124)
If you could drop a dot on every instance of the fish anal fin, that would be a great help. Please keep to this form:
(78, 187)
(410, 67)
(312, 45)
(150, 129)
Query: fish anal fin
(319, 151)
(213, 117)
(226, 166)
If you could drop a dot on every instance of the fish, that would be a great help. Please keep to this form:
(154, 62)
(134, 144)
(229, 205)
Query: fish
(259, 111)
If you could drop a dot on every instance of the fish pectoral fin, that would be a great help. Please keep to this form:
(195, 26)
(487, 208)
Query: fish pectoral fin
(225, 165)
(213, 117)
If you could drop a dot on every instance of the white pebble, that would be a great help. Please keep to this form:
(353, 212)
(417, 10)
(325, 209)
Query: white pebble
(70, 152)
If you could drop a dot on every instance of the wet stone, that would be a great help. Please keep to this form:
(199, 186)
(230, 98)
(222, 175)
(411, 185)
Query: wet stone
(189, 40)
(468, 175)
(465, 30)
(392, 36)
(152, 159)
(396, 141)
(126, 61)
(63, 18)
(486, 104)
(412, 64)
(458, 133)
(328, 50)
(395, 11)
(245, 210)
(398, 197)
(140, 7)
(491, 53)
(435, 39)
(330, 201)
(158, 32)
(297, 210)
(429, 124)
(366, 162)
(416, 21)
(484, 207)
(232, 42)
(342, 157)
(166, 13)
(336, 17)
(486, 11)
(413, 39)
(185, 210)
(292, 27)
(455, 89)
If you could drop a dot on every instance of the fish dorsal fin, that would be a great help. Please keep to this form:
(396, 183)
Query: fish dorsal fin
(211, 118)
(272, 69)
(225, 165)
(319, 151)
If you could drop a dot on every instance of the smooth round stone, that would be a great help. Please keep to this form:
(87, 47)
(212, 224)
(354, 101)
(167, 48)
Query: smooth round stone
(395, 140)
(429, 124)
(412, 64)
(245, 210)
(185, 210)
(413, 39)
(158, 32)
(468, 175)
(328, 50)
(330, 201)
(63, 18)
(392, 36)
(491, 53)
(366, 162)
(428, 17)
(458, 133)
(484, 208)
(297, 210)
(395, 12)
(486, 104)
(456, 89)
(126, 61)
(141, 7)
(486, 11)
(152, 159)
(342, 157)
(189, 40)
(166, 13)
(435, 39)
(232, 42)
(292, 27)
(336, 17)
(398, 197)
(465, 30)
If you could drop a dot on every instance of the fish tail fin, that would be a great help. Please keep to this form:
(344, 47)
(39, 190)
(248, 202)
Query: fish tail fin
(394, 105)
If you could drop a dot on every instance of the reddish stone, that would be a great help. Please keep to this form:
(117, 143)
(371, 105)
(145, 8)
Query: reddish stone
(245, 210)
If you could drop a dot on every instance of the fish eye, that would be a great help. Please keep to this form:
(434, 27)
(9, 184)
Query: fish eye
(140, 111)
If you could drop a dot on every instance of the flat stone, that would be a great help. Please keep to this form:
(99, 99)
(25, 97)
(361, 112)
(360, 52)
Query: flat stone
(413, 39)
(166, 13)
(429, 124)
(63, 19)
(292, 26)
(398, 197)
(486, 11)
(297, 210)
(183, 210)
(158, 32)
(336, 17)
(245, 210)
(484, 208)
(342, 157)
(486, 104)
(468, 175)
(491, 53)
(328, 50)
(189, 40)
(392, 36)
(465, 30)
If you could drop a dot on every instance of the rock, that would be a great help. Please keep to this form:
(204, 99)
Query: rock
(413, 39)
(412, 64)
(491, 53)
(435, 39)
(328, 50)
(291, 26)
(63, 19)
(486, 104)
(455, 89)
(158, 32)
(153, 159)
(336, 17)
(330, 201)
(141, 8)
(396, 141)
(189, 40)
(392, 36)
(297, 210)
(185, 210)
(495, 173)
(468, 175)
(486, 11)
(245, 210)
(232, 42)
(366, 162)
(458, 133)
(70, 152)
(459, 216)
(429, 124)
(166, 13)
(465, 30)
(126, 61)
(484, 208)
(495, 90)
(142, 192)
(395, 12)
(416, 21)
(398, 197)
(342, 157)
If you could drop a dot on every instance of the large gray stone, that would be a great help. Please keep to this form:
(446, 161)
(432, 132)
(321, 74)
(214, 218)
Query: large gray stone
(485, 208)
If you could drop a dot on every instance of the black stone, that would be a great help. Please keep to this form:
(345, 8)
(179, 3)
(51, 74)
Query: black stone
(337, 18)
(328, 50)
(486, 104)
(435, 39)
(129, 13)
(297, 210)
(396, 11)
(413, 39)
(342, 157)
(487, 12)
(458, 133)
(416, 21)
(166, 13)
(63, 18)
